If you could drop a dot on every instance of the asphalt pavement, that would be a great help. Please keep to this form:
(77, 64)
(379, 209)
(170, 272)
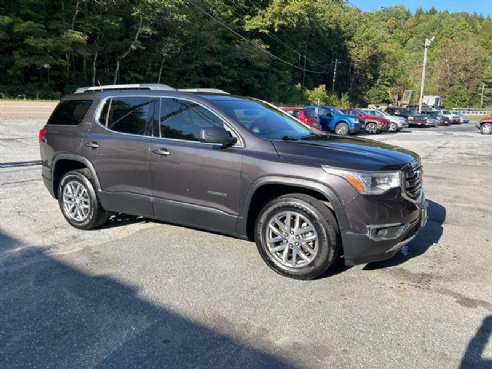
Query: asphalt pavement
(144, 294)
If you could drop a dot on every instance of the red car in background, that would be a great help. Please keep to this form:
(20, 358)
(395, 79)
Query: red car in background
(372, 123)
(305, 117)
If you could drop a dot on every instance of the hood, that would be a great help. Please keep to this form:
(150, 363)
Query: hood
(345, 117)
(418, 115)
(345, 153)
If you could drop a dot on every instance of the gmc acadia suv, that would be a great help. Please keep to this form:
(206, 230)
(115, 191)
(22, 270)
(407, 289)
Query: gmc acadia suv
(233, 165)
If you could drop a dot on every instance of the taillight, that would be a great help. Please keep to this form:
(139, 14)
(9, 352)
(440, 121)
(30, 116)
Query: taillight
(41, 133)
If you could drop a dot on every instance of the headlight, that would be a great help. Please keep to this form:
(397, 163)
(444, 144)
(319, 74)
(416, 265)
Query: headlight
(368, 183)
(410, 118)
(355, 120)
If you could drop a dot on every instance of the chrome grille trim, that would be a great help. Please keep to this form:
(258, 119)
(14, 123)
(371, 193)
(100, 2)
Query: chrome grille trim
(411, 184)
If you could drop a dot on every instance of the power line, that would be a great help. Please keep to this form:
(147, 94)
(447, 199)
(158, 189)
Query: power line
(253, 43)
(273, 36)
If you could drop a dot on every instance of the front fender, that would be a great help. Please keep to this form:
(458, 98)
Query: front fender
(318, 187)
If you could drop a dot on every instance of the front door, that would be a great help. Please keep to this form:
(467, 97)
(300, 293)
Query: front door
(193, 183)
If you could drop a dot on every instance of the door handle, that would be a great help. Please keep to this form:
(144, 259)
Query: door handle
(92, 145)
(162, 152)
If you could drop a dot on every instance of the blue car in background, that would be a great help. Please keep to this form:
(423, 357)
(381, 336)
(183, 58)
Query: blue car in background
(332, 119)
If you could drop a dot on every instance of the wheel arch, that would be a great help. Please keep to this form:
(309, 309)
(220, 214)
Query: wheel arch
(342, 121)
(266, 189)
(64, 163)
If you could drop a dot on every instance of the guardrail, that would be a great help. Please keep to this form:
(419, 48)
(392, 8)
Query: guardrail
(474, 111)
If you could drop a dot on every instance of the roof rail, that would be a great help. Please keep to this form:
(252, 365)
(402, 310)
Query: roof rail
(204, 90)
(137, 86)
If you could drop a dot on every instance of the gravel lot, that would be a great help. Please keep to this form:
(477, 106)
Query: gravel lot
(145, 294)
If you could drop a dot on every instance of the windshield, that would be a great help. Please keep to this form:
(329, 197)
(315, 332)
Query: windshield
(263, 120)
(335, 111)
(373, 113)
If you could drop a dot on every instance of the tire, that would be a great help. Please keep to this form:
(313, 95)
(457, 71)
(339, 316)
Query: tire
(342, 129)
(371, 128)
(82, 210)
(486, 128)
(393, 127)
(308, 214)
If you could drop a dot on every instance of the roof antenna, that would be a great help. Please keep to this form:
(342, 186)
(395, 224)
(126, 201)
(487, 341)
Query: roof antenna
(99, 83)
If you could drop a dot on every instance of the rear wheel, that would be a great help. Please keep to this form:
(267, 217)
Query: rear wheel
(486, 128)
(342, 129)
(296, 236)
(371, 128)
(78, 200)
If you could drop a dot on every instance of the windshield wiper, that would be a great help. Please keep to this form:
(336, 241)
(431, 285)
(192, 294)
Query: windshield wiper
(313, 136)
(289, 138)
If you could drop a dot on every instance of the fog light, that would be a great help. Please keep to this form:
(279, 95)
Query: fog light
(385, 231)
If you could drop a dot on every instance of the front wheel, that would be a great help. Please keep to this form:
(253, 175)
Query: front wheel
(486, 128)
(297, 236)
(78, 200)
(393, 127)
(342, 129)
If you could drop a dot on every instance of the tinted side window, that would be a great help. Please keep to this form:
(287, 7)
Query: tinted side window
(181, 119)
(70, 112)
(129, 115)
(310, 113)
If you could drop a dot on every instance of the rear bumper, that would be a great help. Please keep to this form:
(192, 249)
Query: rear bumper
(354, 129)
(49, 185)
(363, 249)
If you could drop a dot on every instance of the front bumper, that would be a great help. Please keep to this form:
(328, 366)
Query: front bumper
(418, 123)
(365, 248)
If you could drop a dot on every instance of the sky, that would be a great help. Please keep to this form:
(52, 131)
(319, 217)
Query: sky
(478, 6)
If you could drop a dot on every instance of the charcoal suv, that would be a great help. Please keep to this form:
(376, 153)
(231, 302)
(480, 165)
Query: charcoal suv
(233, 165)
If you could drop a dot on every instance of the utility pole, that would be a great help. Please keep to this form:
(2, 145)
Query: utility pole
(481, 95)
(304, 68)
(427, 44)
(334, 76)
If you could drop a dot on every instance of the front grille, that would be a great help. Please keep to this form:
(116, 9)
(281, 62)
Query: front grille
(412, 181)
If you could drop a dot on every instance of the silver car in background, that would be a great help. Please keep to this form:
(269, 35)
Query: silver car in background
(396, 123)
(463, 117)
(432, 122)
(453, 117)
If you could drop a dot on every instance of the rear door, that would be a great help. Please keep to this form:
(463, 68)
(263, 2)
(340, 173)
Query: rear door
(118, 146)
(193, 183)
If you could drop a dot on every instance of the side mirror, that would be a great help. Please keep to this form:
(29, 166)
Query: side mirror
(217, 135)
(329, 114)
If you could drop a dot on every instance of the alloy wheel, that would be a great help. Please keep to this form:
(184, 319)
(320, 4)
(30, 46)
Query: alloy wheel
(76, 201)
(371, 128)
(292, 239)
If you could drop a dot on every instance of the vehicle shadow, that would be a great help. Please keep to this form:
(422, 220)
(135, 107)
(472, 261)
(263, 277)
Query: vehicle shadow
(119, 220)
(473, 358)
(58, 316)
(427, 237)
